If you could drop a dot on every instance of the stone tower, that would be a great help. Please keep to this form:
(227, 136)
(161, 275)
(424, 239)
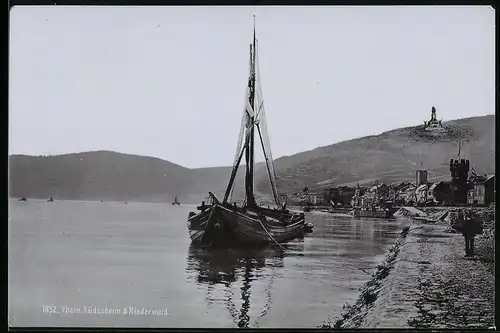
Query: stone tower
(459, 174)
(421, 177)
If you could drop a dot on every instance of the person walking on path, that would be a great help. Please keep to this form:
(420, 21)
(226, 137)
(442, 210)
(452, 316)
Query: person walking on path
(470, 226)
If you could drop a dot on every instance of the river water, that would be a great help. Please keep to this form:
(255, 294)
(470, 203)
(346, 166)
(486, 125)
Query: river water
(69, 259)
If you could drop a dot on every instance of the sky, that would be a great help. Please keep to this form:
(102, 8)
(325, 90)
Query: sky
(169, 82)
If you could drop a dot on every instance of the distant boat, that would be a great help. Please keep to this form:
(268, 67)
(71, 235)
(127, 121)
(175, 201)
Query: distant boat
(50, 200)
(22, 199)
(375, 211)
(176, 202)
(223, 224)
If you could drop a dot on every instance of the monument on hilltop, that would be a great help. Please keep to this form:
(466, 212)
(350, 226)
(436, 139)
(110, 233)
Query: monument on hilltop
(433, 125)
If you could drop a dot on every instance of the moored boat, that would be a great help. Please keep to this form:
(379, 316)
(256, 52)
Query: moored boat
(176, 202)
(220, 223)
(374, 211)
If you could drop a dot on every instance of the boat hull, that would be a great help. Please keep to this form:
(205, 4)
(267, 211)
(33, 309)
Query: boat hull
(227, 226)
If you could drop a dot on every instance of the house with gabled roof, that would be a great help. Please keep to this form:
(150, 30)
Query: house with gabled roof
(483, 191)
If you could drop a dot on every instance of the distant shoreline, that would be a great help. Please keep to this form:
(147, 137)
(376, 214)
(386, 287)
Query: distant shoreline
(103, 201)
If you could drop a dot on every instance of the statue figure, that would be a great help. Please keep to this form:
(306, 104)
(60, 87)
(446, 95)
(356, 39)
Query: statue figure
(433, 114)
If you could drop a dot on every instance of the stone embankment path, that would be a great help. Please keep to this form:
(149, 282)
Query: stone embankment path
(433, 285)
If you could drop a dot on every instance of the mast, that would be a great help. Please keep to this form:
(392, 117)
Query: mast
(250, 140)
(252, 118)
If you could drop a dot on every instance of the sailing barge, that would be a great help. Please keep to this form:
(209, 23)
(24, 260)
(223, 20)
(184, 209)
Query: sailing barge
(220, 223)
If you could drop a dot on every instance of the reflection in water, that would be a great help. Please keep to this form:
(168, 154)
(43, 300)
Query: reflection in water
(299, 288)
(225, 266)
(360, 229)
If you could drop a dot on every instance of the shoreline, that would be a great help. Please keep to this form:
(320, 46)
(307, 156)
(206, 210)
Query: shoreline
(354, 314)
(425, 281)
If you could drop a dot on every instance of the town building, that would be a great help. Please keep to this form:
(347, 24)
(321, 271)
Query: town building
(368, 199)
(346, 193)
(421, 194)
(403, 193)
(430, 192)
(483, 191)
(356, 199)
(381, 192)
(392, 194)
(408, 195)
(438, 192)
(470, 196)
(296, 198)
(331, 194)
(283, 198)
(373, 196)
(442, 193)
(339, 195)
(314, 198)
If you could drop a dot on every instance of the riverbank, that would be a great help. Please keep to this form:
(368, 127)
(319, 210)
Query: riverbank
(427, 282)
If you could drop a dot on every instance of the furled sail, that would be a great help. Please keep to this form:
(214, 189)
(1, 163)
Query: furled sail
(262, 129)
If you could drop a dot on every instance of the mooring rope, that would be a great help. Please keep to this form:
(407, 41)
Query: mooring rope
(271, 236)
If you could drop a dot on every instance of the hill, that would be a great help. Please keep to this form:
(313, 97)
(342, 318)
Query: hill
(390, 156)
(99, 175)
(112, 176)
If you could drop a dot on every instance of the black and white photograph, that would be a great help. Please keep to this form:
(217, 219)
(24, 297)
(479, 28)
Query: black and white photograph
(251, 167)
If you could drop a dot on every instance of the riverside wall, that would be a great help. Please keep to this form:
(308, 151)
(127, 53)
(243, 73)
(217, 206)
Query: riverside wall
(426, 281)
